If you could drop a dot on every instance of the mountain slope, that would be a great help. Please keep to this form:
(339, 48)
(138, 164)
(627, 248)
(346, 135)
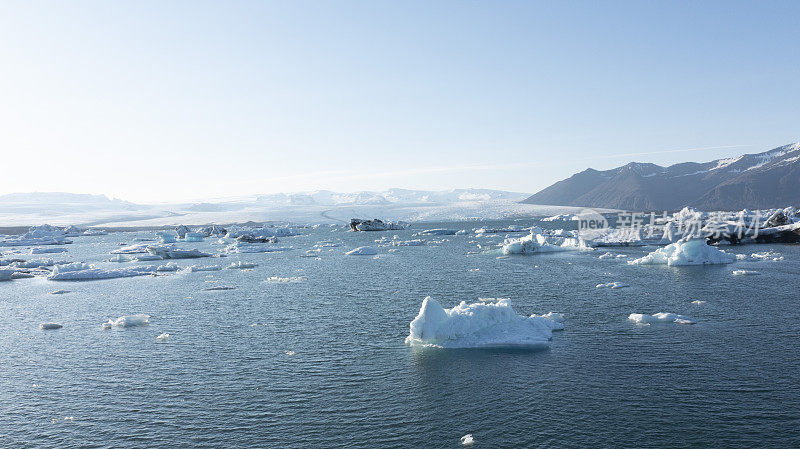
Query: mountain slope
(763, 180)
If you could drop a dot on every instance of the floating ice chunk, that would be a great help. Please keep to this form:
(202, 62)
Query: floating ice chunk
(196, 268)
(661, 317)
(40, 250)
(612, 237)
(612, 285)
(243, 248)
(606, 256)
(93, 232)
(169, 266)
(60, 292)
(5, 274)
(241, 265)
(35, 263)
(554, 316)
(50, 326)
(698, 302)
(687, 251)
(286, 280)
(171, 252)
(745, 273)
(289, 353)
(541, 243)
(438, 232)
(363, 251)
(481, 324)
(375, 225)
(193, 237)
(167, 237)
(146, 257)
(120, 258)
(467, 440)
(163, 336)
(132, 249)
(128, 321)
(767, 255)
(413, 242)
(218, 288)
(79, 271)
(509, 229)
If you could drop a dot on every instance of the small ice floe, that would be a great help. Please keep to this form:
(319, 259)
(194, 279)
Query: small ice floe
(5, 274)
(662, 317)
(606, 256)
(622, 256)
(554, 316)
(479, 325)
(289, 353)
(286, 280)
(167, 237)
(172, 252)
(48, 250)
(467, 440)
(146, 257)
(36, 263)
(612, 285)
(745, 273)
(414, 242)
(312, 253)
(247, 248)
(686, 251)
(363, 251)
(168, 267)
(473, 270)
(78, 271)
(60, 292)
(218, 288)
(242, 265)
(163, 336)
(697, 302)
(196, 268)
(49, 326)
(193, 237)
(438, 231)
(121, 258)
(128, 321)
(767, 255)
(132, 249)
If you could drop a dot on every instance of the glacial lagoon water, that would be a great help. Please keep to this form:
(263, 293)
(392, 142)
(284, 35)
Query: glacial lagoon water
(321, 362)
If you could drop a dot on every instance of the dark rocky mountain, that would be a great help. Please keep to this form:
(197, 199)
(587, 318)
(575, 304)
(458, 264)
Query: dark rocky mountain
(754, 181)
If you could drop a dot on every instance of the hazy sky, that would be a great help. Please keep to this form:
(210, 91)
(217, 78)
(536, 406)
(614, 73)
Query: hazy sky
(169, 100)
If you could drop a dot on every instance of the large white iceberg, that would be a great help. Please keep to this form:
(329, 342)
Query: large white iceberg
(538, 242)
(128, 321)
(479, 325)
(79, 271)
(686, 251)
(37, 235)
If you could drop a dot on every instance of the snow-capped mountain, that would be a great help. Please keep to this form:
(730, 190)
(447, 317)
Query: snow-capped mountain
(756, 181)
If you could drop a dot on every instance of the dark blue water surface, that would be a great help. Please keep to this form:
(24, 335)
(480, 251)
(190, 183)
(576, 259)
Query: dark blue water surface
(224, 379)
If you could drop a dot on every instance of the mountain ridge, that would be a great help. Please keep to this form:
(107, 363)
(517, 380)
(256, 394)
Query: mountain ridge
(755, 181)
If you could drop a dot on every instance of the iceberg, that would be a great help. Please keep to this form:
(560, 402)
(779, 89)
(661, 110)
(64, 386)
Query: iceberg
(5, 274)
(171, 252)
(686, 251)
(193, 237)
(363, 251)
(50, 326)
(661, 317)
(413, 242)
(78, 271)
(166, 237)
(132, 249)
(128, 321)
(357, 224)
(438, 232)
(286, 280)
(168, 267)
(537, 242)
(479, 325)
(745, 273)
(36, 236)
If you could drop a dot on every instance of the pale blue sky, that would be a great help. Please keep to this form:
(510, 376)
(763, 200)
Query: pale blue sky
(155, 100)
